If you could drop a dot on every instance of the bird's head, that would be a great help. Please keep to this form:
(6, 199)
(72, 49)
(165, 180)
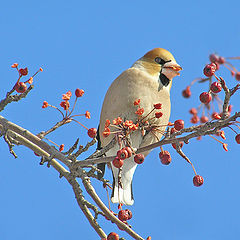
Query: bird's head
(159, 63)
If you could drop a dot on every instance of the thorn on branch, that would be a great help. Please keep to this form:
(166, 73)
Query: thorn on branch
(72, 148)
(82, 149)
(233, 90)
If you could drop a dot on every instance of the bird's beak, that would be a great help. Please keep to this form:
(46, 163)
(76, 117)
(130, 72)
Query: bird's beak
(172, 68)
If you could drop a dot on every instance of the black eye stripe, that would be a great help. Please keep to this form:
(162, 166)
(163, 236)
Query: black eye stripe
(161, 61)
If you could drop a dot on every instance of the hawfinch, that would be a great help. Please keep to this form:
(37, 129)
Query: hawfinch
(149, 79)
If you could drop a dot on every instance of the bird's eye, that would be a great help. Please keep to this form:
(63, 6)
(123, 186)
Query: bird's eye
(160, 61)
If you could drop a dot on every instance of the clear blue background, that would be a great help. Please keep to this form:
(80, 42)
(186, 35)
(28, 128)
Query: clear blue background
(86, 44)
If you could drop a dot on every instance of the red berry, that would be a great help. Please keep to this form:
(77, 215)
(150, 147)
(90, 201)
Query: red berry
(122, 154)
(113, 236)
(129, 150)
(173, 130)
(195, 119)
(165, 157)
(92, 132)
(79, 92)
(175, 146)
(129, 212)
(158, 114)
(158, 106)
(205, 97)
(187, 92)
(204, 119)
(117, 163)
(216, 116)
(193, 111)
(209, 69)
(179, 124)
(221, 60)
(139, 158)
(216, 87)
(237, 138)
(230, 108)
(197, 180)
(23, 71)
(213, 58)
(20, 87)
(123, 215)
(237, 76)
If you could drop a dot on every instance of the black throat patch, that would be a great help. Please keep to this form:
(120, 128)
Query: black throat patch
(164, 80)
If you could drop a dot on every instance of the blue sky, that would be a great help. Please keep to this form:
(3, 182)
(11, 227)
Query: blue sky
(86, 44)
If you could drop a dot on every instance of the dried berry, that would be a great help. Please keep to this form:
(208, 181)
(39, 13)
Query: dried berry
(20, 87)
(158, 114)
(193, 111)
(197, 180)
(204, 119)
(165, 157)
(113, 236)
(187, 92)
(221, 60)
(139, 158)
(157, 106)
(123, 215)
(117, 163)
(209, 70)
(213, 58)
(179, 124)
(122, 154)
(195, 119)
(79, 92)
(205, 97)
(23, 71)
(92, 132)
(216, 87)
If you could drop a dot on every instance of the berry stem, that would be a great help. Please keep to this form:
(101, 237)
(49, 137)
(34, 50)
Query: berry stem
(73, 107)
(232, 57)
(79, 123)
(229, 64)
(56, 109)
(216, 139)
(147, 114)
(52, 142)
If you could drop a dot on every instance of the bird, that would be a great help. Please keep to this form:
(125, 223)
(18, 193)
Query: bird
(148, 79)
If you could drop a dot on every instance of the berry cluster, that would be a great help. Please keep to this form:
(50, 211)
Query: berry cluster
(206, 109)
(21, 86)
(123, 129)
(67, 115)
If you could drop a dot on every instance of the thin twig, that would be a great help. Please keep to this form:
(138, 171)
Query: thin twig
(14, 98)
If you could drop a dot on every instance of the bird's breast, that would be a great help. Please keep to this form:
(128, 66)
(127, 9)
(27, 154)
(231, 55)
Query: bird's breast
(134, 84)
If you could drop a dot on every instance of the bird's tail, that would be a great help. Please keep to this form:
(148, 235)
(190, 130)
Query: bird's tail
(122, 184)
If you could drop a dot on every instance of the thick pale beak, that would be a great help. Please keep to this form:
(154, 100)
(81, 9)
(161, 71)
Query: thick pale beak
(172, 67)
